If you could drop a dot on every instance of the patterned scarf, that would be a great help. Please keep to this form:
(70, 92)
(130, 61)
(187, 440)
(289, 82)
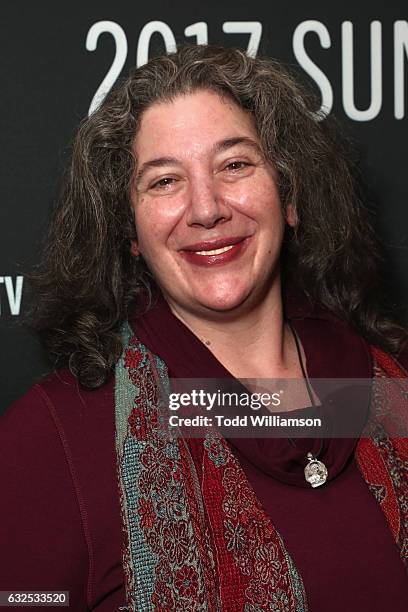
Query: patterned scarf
(196, 537)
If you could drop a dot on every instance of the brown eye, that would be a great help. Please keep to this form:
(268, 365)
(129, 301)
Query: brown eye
(237, 165)
(163, 183)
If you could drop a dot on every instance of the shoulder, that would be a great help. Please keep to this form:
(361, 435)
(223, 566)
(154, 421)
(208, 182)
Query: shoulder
(342, 341)
(61, 397)
(56, 416)
(29, 423)
(54, 423)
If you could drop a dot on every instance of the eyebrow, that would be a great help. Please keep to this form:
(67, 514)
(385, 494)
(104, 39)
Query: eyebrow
(218, 147)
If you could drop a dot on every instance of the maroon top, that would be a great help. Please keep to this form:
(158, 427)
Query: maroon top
(60, 520)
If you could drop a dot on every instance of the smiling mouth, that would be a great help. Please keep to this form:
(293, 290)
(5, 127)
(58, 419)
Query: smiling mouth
(215, 251)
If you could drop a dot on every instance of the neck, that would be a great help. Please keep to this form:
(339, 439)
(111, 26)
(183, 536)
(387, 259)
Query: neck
(256, 344)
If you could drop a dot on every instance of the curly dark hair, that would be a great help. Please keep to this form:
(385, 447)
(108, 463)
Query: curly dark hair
(88, 277)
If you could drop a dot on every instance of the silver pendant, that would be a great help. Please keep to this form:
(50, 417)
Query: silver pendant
(315, 472)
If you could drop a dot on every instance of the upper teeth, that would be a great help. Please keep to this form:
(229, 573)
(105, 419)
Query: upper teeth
(215, 251)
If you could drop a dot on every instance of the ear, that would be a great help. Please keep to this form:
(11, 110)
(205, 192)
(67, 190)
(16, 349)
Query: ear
(291, 215)
(134, 249)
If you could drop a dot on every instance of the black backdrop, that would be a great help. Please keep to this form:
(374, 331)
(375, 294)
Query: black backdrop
(56, 55)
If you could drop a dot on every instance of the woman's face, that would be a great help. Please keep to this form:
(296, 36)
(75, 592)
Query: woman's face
(207, 210)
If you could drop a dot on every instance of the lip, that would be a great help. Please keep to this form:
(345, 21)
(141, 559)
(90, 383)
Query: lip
(212, 245)
(238, 243)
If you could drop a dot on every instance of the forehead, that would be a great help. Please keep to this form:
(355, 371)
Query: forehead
(191, 124)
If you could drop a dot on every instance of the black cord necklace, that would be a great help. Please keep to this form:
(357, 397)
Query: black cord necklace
(316, 472)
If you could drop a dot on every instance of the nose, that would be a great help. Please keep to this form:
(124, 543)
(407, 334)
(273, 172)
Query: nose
(207, 207)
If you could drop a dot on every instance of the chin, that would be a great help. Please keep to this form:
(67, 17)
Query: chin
(223, 303)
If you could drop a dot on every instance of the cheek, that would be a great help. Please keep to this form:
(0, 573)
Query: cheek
(155, 224)
(258, 199)
(267, 211)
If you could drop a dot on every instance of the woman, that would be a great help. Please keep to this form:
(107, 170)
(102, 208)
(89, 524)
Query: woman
(209, 227)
